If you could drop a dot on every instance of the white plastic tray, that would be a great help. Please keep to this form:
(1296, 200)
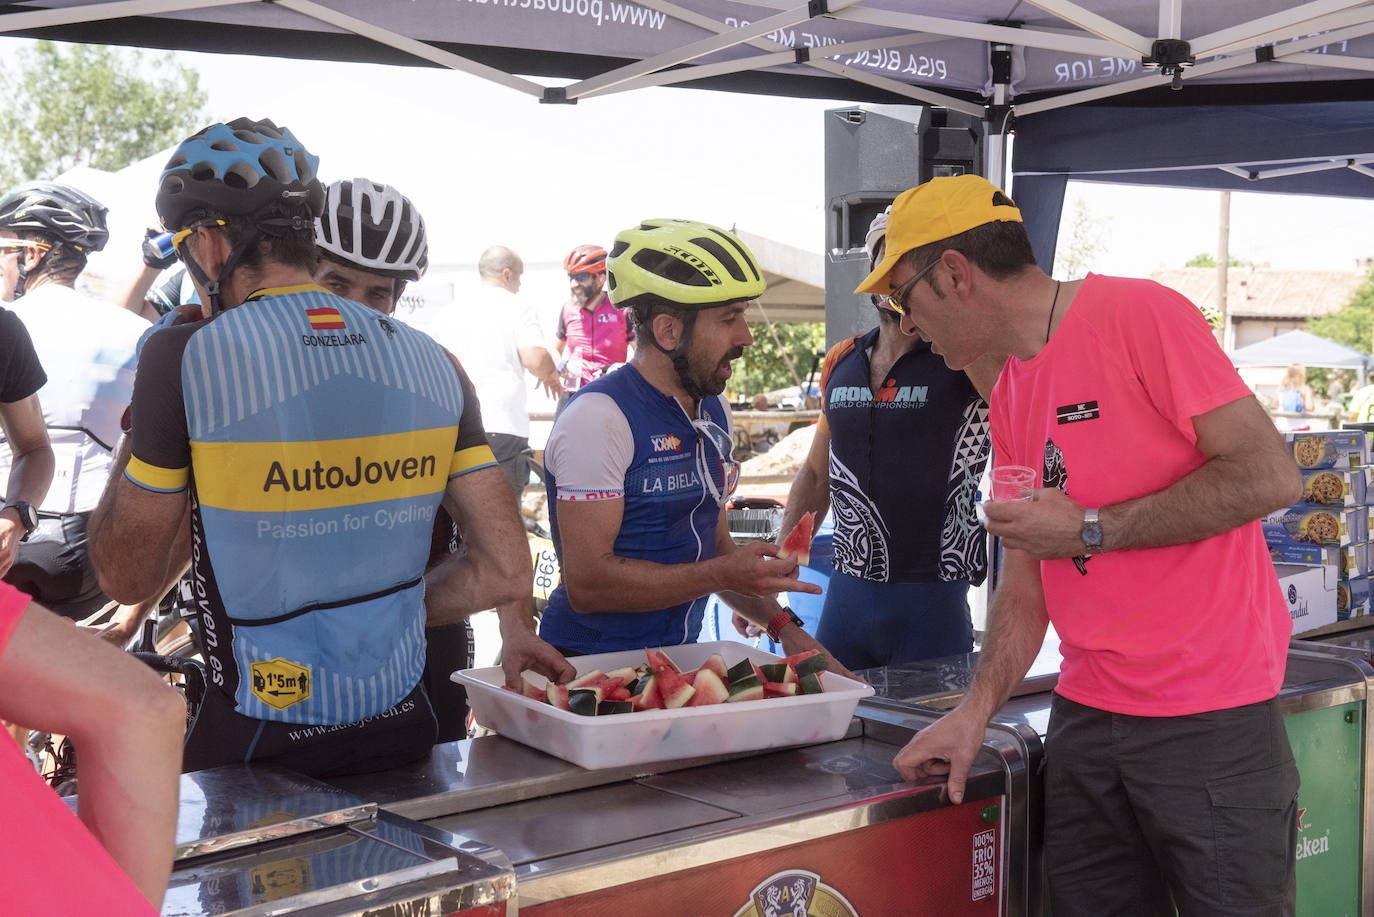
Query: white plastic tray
(663, 735)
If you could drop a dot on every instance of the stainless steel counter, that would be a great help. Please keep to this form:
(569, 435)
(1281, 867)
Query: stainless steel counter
(258, 841)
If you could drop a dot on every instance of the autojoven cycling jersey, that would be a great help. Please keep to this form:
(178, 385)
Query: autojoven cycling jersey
(308, 539)
(621, 438)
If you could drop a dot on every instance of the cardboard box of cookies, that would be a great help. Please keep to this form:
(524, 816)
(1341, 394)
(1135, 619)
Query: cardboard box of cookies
(1303, 523)
(1310, 593)
(1334, 486)
(1322, 449)
(1349, 560)
(1352, 597)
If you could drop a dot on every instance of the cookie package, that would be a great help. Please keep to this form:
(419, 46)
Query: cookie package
(1322, 449)
(1335, 486)
(1303, 523)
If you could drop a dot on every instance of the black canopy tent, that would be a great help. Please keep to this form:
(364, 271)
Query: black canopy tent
(1260, 87)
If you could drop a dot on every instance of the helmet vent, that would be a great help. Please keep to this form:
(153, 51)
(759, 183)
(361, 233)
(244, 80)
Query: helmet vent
(249, 137)
(241, 176)
(618, 248)
(275, 165)
(203, 171)
(725, 258)
(225, 145)
(669, 268)
(743, 253)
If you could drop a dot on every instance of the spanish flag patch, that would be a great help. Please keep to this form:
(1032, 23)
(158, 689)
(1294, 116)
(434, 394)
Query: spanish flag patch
(326, 318)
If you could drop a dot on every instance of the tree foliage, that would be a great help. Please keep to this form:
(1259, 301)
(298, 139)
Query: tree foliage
(1075, 254)
(1207, 259)
(104, 107)
(763, 368)
(1353, 323)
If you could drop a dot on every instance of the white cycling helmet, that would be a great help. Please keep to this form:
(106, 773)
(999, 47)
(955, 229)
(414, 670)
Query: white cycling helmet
(877, 231)
(373, 227)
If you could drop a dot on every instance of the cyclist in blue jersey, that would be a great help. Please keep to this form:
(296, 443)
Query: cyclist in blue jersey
(639, 465)
(313, 440)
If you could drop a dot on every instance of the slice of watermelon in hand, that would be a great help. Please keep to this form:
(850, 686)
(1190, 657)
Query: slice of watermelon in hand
(798, 541)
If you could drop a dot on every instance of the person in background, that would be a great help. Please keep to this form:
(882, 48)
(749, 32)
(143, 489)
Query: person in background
(593, 335)
(1171, 785)
(128, 726)
(497, 338)
(1336, 389)
(87, 350)
(908, 545)
(1295, 397)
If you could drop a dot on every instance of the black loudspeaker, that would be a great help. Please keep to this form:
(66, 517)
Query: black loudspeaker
(872, 154)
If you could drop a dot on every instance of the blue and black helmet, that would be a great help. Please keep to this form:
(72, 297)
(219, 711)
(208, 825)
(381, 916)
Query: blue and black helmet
(234, 169)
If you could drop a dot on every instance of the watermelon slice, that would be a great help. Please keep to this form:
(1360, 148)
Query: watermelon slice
(751, 689)
(709, 689)
(740, 671)
(775, 672)
(529, 689)
(779, 690)
(583, 701)
(798, 541)
(716, 664)
(811, 683)
(659, 661)
(626, 674)
(673, 689)
(807, 662)
(557, 696)
(608, 707)
(647, 698)
(584, 681)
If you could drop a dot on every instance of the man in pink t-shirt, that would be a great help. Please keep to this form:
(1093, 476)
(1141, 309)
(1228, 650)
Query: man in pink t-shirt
(1170, 782)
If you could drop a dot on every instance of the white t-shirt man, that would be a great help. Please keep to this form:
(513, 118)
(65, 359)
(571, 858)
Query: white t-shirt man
(484, 328)
(87, 348)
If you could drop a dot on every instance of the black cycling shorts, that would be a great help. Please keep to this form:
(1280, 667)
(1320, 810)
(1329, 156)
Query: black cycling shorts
(54, 566)
(221, 735)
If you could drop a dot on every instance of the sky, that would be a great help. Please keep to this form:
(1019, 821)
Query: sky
(486, 165)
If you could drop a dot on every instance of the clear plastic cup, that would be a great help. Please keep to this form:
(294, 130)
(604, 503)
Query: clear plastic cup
(1012, 483)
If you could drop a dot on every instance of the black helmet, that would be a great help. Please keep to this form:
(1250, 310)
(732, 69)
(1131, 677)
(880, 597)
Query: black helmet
(61, 211)
(234, 169)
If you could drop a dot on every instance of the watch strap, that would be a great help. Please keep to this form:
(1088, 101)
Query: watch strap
(781, 620)
(1091, 521)
(27, 517)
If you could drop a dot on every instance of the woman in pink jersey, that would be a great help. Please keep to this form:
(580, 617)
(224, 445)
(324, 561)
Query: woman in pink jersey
(128, 727)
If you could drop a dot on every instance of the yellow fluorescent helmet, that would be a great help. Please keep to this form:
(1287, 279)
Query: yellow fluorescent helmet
(936, 210)
(690, 264)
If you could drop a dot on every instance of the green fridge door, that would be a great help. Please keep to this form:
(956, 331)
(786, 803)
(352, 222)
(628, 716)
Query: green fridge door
(1327, 744)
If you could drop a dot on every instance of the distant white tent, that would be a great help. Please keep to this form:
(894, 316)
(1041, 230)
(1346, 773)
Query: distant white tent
(1300, 347)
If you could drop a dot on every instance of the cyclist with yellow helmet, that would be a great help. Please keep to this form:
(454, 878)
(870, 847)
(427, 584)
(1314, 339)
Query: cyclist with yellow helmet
(639, 465)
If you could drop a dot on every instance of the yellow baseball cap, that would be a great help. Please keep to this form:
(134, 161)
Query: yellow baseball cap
(940, 208)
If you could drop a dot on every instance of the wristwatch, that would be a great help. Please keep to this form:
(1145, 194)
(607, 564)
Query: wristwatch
(781, 620)
(1091, 533)
(28, 517)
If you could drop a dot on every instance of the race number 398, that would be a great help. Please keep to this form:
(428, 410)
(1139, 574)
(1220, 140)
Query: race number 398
(984, 864)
